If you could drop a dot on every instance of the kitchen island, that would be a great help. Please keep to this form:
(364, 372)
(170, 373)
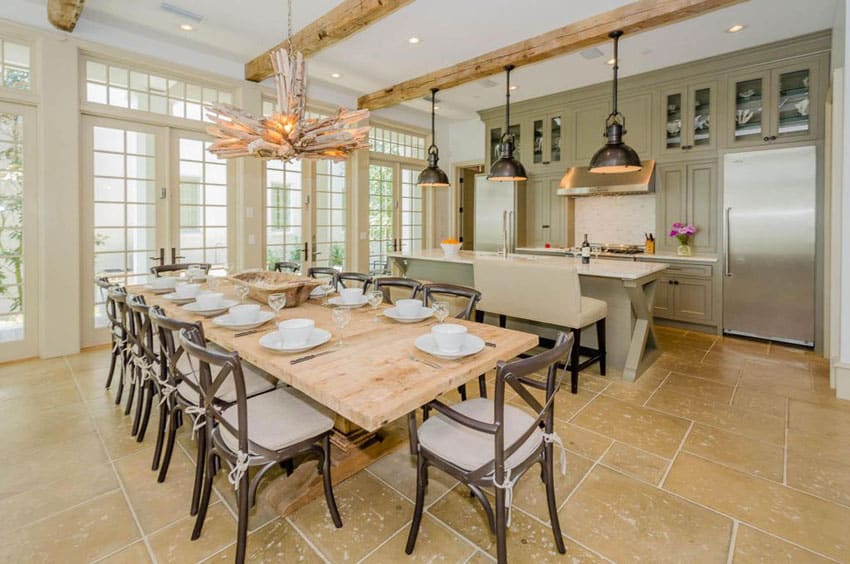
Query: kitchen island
(627, 287)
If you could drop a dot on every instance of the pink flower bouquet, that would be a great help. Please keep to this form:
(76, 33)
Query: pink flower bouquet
(682, 232)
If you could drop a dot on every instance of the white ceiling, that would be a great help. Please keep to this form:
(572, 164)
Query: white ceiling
(451, 31)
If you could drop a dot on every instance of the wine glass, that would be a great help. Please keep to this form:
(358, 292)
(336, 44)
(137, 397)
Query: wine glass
(341, 317)
(242, 291)
(328, 289)
(277, 302)
(194, 272)
(375, 298)
(441, 311)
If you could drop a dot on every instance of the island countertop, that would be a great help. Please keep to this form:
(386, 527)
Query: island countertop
(621, 270)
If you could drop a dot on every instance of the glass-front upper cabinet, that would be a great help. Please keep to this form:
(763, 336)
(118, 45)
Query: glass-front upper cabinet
(495, 142)
(773, 105)
(688, 114)
(546, 140)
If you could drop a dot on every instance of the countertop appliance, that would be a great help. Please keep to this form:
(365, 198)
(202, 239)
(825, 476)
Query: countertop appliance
(499, 207)
(579, 181)
(769, 240)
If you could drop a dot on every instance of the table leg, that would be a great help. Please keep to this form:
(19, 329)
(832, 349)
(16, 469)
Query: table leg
(643, 345)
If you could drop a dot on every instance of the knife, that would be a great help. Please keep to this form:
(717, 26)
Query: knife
(309, 357)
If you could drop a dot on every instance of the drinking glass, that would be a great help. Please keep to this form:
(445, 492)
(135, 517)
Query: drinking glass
(375, 298)
(328, 289)
(242, 291)
(277, 302)
(214, 283)
(441, 311)
(194, 272)
(341, 316)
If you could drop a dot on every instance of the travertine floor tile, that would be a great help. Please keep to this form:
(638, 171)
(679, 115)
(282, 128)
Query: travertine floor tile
(81, 534)
(636, 463)
(698, 387)
(115, 427)
(739, 452)
(370, 513)
(582, 441)
(801, 518)
(527, 540)
(434, 543)
(530, 492)
(644, 428)
(761, 402)
(628, 520)
(722, 374)
(753, 546)
(173, 544)
(824, 476)
(398, 469)
(44, 397)
(48, 428)
(275, 542)
(752, 424)
(816, 419)
(136, 553)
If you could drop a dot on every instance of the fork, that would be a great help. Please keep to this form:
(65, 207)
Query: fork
(428, 363)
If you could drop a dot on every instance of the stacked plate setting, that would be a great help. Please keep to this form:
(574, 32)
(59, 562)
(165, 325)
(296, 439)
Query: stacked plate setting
(449, 341)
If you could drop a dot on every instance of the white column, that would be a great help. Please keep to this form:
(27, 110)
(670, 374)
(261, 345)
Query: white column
(841, 368)
(249, 251)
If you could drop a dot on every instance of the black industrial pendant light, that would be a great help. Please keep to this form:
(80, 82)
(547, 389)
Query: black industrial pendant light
(507, 168)
(433, 175)
(615, 156)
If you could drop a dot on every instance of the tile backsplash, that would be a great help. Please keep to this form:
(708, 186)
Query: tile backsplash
(615, 219)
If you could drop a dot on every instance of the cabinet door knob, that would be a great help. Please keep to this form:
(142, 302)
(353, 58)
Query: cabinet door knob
(773, 137)
(766, 138)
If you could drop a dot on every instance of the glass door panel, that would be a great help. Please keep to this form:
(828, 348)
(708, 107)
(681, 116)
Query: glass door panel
(537, 135)
(411, 212)
(749, 100)
(284, 219)
(555, 139)
(673, 139)
(702, 117)
(495, 141)
(381, 211)
(329, 240)
(793, 103)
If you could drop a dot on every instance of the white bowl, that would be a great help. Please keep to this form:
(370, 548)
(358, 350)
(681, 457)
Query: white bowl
(295, 332)
(244, 313)
(450, 249)
(449, 336)
(165, 283)
(187, 290)
(351, 296)
(408, 308)
(209, 300)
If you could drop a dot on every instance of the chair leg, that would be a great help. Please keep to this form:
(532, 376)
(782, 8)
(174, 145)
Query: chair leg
(326, 481)
(600, 338)
(200, 462)
(140, 404)
(112, 363)
(503, 320)
(501, 527)
(479, 316)
(462, 391)
(164, 418)
(122, 374)
(574, 360)
(242, 523)
(549, 480)
(205, 496)
(146, 414)
(131, 391)
(421, 481)
(482, 385)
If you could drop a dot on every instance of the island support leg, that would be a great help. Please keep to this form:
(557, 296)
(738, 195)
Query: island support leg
(643, 345)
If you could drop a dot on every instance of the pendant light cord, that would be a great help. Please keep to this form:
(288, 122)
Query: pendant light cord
(508, 69)
(615, 35)
(433, 111)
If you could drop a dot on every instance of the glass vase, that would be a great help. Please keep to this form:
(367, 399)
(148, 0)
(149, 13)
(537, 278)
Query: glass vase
(684, 250)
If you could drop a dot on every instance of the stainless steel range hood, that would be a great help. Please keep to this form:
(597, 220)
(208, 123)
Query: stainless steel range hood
(579, 181)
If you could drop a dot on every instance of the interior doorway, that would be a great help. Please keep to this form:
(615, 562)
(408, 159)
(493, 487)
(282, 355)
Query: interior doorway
(465, 175)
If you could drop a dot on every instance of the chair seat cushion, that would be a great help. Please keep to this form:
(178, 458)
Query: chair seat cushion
(470, 449)
(277, 420)
(255, 383)
(592, 310)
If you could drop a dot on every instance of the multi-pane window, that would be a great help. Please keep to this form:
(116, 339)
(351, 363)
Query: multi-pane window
(380, 215)
(398, 143)
(411, 211)
(15, 65)
(283, 212)
(203, 204)
(124, 167)
(330, 213)
(11, 227)
(123, 87)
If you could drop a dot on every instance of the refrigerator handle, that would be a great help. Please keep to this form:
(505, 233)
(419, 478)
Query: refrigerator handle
(726, 271)
(511, 232)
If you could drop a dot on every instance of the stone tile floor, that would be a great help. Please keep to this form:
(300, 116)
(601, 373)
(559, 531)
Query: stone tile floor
(726, 450)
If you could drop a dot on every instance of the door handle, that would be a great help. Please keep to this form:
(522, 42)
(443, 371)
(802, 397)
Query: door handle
(161, 257)
(175, 256)
(306, 251)
(726, 271)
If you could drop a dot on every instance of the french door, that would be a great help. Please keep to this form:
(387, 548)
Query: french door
(306, 213)
(18, 215)
(151, 195)
(395, 212)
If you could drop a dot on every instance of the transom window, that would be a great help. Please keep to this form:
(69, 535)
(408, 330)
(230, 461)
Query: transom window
(392, 142)
(15, 65)
(119, 86)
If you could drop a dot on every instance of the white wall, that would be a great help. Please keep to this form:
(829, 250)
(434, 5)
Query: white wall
(615, 219)
(841, 218)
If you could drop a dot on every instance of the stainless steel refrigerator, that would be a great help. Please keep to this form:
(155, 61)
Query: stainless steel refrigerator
(499, 206)
(769, 238)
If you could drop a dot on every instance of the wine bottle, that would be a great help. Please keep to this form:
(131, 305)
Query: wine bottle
(585, 251)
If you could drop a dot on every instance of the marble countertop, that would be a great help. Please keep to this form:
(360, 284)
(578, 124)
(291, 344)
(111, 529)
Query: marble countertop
(667, 257)
(623, 270)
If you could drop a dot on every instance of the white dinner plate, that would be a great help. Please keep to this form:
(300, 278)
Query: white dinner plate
(226, 322)
(337, 301)
(274, 342)
(320, 292)
(179, 300)
(472, 345)
(424, 313)
(153, 290)
(221, 308)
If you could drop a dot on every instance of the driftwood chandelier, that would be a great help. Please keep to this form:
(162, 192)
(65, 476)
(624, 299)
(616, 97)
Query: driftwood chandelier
(286, 134)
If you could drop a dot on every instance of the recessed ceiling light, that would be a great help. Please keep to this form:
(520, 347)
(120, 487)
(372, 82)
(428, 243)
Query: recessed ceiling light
(612, 61)
(736, 28)
(413, 40)
(335, 75)
(514, 87)
(187, 27)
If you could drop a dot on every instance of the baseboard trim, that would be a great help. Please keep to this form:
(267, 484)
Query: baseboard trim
(841, 372)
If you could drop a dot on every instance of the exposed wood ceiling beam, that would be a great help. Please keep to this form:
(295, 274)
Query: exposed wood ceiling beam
(632, 18)
(63, 14)
(346, 19)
